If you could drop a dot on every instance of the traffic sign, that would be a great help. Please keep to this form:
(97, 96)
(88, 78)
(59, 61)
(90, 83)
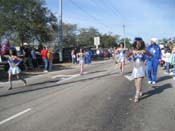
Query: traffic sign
(96, 41)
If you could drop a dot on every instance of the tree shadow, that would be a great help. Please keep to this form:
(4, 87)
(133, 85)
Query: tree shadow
(43, 85)
(156, 90)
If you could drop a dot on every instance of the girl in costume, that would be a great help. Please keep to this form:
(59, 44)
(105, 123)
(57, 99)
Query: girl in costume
(139, 55)
(81, 55)
(121, 51)
(14, 69)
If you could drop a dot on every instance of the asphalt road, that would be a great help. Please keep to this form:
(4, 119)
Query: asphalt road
(100, 100)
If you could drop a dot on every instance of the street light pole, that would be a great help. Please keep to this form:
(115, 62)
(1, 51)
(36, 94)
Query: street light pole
(60, 32)
(124, 36)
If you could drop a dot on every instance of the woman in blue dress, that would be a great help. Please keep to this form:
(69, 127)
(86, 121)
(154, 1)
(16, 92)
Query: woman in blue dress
(139, 55)
(121, 53)
(14, 69)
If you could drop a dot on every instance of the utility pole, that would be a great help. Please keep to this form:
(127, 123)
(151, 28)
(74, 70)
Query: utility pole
(60, 32)
(124, 36)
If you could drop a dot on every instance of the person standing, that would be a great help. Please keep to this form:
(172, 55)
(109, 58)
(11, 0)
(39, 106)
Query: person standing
(50, 58)
(152, 64)
(89, 56)
(139, 56)
(166, 57)
(172, 61)
(14, 69)
(121, 51)
(27, 57)
(81, 55)
(34, 58)
(73, 55)
(44, 58)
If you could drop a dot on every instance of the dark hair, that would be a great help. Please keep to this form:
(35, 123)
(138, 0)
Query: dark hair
(121, 43)
(82, 49)
(138, 39)
(13, 52)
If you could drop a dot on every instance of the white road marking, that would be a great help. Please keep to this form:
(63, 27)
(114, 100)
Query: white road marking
(69, 77)
(85, 73)
(15, 116)
(129, 77)
(73, 76)
(3, 83)
(56, 76)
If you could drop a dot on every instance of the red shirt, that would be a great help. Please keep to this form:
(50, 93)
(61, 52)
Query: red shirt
(44, 53)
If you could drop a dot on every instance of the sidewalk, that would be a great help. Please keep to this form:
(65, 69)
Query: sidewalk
(56, 67)
(36, 77)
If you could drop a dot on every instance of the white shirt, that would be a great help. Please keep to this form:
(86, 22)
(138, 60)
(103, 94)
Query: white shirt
(167, 57)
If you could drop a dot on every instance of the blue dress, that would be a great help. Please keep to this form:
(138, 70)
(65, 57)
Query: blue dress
(13, 63)
(139, 68)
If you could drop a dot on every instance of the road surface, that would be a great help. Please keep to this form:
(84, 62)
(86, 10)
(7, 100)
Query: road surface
(100, 100)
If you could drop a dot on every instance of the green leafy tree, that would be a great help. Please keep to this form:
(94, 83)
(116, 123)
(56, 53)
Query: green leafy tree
(70, 35)
(108, 40)
(28, 19)
(128, 42)
(86, 36)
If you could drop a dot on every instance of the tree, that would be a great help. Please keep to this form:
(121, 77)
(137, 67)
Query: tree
(70, 35)
(108, 40)
(128, 42)
(29, 20)
(86, 36)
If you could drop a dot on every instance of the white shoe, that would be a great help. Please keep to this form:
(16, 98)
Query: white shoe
(171, 74)
(45, 71)
(153, 82)
(166, 73)
(173, 78)
(149, 82)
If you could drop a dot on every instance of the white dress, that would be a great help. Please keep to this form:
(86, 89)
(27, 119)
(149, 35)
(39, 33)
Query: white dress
(121, 56)
(139, 69)
(14, 69)
(81, 59)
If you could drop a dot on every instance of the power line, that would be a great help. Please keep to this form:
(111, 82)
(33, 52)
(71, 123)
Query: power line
(94, 18)
(114, 10)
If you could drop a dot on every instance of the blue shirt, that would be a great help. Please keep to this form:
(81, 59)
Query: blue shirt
(155, 51)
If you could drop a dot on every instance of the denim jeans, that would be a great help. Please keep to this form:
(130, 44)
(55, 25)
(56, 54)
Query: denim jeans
(167, 65)
(45, 61)
(174, 68)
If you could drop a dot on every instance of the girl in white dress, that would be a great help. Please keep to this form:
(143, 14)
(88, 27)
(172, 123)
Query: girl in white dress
(14, 69)
(139, 55)
(121, 53)
(81, 55)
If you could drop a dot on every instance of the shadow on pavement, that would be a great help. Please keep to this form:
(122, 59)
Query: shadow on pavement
(96, 71)
(156, 90)
(26, 90)
(163, 78)
(4, 75)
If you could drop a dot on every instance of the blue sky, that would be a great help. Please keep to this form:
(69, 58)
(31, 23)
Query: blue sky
(144, 18)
